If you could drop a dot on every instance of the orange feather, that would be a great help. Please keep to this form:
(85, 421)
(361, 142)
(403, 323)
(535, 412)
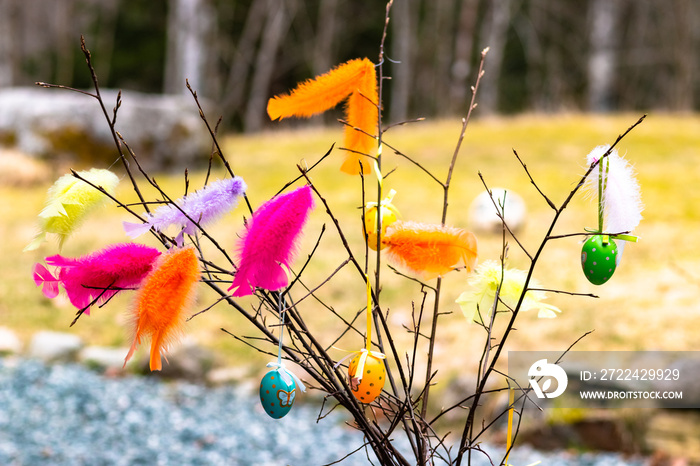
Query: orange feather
(430, 250)
(362, 113)
(355, 79)
(321, 93)
(159, 312)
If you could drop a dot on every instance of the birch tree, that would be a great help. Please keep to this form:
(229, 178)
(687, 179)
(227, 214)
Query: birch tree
(190, 26)
(602, 60)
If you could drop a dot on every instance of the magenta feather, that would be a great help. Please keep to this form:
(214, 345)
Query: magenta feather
(97, 276)
(47, 282)
(203, 206)
(270, 242)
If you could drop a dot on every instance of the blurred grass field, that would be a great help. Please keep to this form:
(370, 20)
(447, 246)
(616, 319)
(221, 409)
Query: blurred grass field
(651, 303)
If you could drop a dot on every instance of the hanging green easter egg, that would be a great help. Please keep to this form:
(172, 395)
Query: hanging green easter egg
(599, 258)
(276, 395)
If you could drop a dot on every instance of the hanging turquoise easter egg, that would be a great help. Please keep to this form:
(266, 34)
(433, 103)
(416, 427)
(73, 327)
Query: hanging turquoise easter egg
(599, 258)
(276, 395)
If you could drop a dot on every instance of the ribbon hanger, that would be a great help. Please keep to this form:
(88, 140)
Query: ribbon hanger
(285, 373)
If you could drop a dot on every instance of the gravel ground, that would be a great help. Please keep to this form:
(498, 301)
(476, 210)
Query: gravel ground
(69, 415)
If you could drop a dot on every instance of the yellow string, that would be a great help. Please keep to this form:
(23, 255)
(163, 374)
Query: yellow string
(380, 178)
(369, 314)
(509, 438)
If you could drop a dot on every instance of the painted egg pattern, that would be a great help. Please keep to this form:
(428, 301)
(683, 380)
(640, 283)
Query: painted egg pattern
(276, 396)
(372, 381)
(599, 260)
(370, 228)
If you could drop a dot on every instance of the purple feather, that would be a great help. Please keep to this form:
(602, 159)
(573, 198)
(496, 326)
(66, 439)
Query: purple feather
(97, 276)
(270, 242)
(203, 206)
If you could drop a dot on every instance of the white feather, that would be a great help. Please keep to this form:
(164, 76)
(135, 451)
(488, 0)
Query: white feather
(622, 198)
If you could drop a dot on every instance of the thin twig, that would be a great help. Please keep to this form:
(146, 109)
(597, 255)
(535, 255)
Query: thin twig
(93, 75)
(527, 172)
(500, 212)
(445, 203)
(401, 123)
(307, 170)
(214, 139)
(416, 163)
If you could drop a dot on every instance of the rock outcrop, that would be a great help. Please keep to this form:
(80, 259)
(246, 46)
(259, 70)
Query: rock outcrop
(165, 131)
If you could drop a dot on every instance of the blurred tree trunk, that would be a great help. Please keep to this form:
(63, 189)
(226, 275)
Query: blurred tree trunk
(35, 50)
(434, 33)
(682, 90)
(63, 22)
(9, 59)
(556, 51)
(190, 27)
(107, 13)
(39, 39)
(242, 66)
(444, 54)
(494, 34)
(323, 56)
(461, 64)
(534, 53)
(323, 47)
(602, 61)
(403, 27)
(279, 17)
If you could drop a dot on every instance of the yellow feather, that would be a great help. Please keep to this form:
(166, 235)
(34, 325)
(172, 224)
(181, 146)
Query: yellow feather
(69, 201)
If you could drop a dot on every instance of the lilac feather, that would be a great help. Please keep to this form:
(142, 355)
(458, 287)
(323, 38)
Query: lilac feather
(97, 276)
(203, 206)
(270, 242)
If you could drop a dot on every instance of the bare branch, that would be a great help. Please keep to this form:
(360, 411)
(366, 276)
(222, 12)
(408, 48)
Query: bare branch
(532, 181)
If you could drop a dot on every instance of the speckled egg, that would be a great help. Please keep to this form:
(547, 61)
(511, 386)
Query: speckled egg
(372, 381)
(389, 216)
(276, 396)
(599, 259)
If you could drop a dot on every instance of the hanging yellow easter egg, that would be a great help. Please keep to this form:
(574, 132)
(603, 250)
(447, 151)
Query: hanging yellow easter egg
(389, 215)
(372, 381)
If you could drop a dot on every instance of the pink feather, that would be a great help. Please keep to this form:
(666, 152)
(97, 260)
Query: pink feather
(270, 242)
(97, 276)
(47, 282)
